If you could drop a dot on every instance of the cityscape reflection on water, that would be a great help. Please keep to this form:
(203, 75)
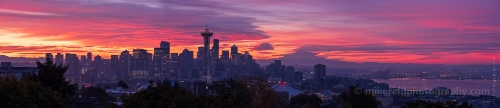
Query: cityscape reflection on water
(429, 84)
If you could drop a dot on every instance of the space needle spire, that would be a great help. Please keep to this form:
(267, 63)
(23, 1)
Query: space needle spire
(206, 40)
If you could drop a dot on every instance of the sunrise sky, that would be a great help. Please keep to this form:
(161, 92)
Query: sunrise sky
(418, 31)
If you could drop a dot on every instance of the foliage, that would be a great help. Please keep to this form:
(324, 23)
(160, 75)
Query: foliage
(162, 95)
(303, 99)
(233, 91)
(94, 92)
(51, 76)
(356, 97)
(122, 84)
(263, 96)
(26, 93)
(424, 104)
(229, 93)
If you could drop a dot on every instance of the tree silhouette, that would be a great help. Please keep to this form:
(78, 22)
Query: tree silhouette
(356, 97)
(303, 99)
(232, 90)
(26, 93)
(51, 76)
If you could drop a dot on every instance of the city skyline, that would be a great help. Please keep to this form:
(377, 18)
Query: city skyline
(430, 32)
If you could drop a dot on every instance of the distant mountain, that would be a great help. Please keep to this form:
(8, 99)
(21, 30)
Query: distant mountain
(309, 59)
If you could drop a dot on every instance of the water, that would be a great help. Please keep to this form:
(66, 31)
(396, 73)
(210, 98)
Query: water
(468, 87)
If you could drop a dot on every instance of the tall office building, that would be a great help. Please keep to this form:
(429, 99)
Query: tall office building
(49, 56)
(215, 48)
(72, 63)
(89, 57)
(173, 66)
(224, 58)
(206, 40)
(59, 59)
(139, 64)
(298, 77)
(234, 49)
(165, 44)
(83, 59)
(124, 70)
(186, 64)
(114, 63)
(160, 58)
(98, 65)
(200, 54)
(319, 72)
(290, 73)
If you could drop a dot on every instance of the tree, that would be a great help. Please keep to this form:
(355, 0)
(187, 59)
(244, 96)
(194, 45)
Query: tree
(27, 93)
(356, 97)
(51, 76)
(94, 92)
(232, 90)
(161, 94)
(424, 104)
(122, 84)
(303, 99)
(263, 96)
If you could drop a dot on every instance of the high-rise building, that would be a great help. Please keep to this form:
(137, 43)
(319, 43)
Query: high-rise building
(165, 44)
(49, 56)
(319, 72)
(83, 59)
(139, 64)
(206, 40)
(215, 48)
(185, 63)
(72, 63)
(59, 59)
(98, 65)
(89, 57)
(114, 63)
(174, 56)
(290, 73)
(124, 70)
(160, 58)
(224, 58)
(173, 66)
(200, 54)
(234, 49)
(298, 76)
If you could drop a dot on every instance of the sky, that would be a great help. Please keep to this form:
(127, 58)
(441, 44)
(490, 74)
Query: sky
(390, 31)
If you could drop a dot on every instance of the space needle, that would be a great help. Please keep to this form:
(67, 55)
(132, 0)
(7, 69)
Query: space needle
(206, 39)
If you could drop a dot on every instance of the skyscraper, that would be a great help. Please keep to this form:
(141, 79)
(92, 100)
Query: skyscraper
(185, 63)
(234, 49)
(173, 66)
(49, 56)
(89, 57)
(165, 44)
(140, 69)
(72, 63)
(290, 73)
(224, 58)
(206, 40)
(83, 59)
(123, 72)
(98, 64)
(59, 59)
(319, 72)
(298, 76)
(215, 48)
(160, 58)
(114, 63)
